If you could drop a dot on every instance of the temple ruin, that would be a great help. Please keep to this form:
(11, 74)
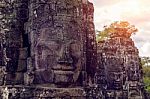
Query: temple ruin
(48, 51)
(122, 71)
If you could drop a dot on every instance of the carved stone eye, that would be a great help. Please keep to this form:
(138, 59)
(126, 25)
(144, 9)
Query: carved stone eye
(75, 49)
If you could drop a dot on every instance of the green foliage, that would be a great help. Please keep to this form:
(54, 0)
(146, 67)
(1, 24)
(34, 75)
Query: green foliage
(145, 61)
(146, 72)
(102, 35)
(147, 83)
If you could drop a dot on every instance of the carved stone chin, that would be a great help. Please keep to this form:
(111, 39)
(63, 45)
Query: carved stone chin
(63, 77)
(66, 74)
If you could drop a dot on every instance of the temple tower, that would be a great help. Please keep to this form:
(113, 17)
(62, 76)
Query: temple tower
(47, 49)
(122, 67)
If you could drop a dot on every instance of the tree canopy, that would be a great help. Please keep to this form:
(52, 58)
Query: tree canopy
(118, 28)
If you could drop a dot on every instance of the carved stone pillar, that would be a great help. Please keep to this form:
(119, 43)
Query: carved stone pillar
(13, 17)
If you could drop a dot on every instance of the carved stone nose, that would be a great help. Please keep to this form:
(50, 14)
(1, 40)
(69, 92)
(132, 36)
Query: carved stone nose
(65, 57)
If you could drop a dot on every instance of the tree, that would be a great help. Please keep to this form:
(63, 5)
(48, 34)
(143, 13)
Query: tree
(118, 28)
(146, 72)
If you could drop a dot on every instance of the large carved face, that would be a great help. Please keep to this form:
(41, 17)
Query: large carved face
(116, 80)
(58, 56)
(56, 46)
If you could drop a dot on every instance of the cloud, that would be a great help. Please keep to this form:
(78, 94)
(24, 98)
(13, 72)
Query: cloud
(137, 12)
(102, 3)
(145, 49)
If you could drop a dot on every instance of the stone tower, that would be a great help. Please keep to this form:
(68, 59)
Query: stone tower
(44, 50)
(120, 62)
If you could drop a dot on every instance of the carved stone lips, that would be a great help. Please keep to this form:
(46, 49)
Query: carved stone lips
(60, 72)
(63, 74)
(63, 68)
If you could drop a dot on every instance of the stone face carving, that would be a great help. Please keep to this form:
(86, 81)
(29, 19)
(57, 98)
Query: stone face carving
(56, 42)
(121, 65)
(49, 51)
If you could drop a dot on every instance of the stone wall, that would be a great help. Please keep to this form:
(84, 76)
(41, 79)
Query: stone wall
(13, 17)
(91, 49)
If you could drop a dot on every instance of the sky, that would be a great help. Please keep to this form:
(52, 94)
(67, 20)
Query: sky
(136, 12)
